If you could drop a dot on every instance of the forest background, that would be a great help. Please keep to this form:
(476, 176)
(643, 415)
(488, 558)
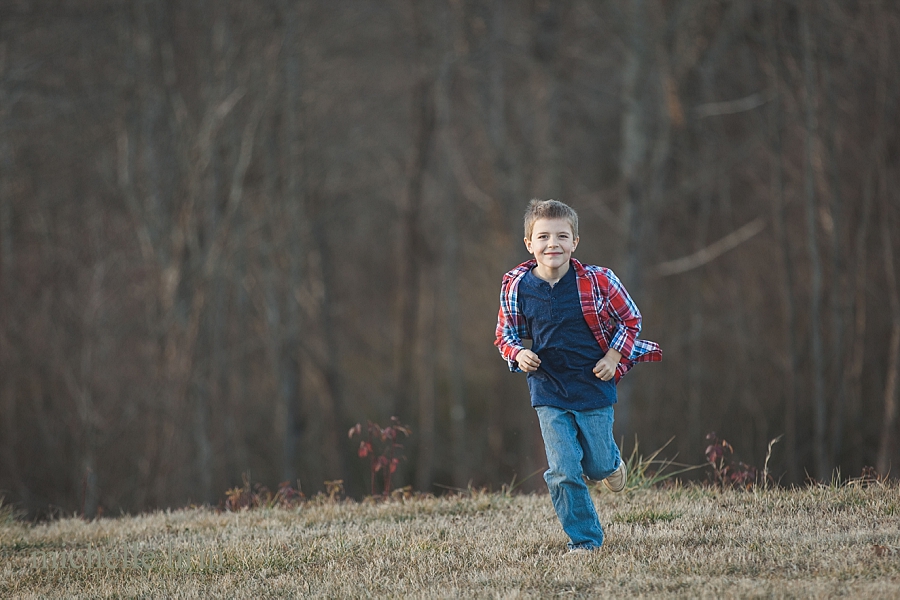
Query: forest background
(232, 229)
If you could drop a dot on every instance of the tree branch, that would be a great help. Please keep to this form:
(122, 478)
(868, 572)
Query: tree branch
(711, 252)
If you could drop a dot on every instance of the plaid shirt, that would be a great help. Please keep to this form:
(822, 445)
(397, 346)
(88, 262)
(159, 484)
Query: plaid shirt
(609, 311)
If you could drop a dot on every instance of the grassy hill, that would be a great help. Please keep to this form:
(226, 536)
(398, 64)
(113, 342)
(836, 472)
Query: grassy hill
(680, 541)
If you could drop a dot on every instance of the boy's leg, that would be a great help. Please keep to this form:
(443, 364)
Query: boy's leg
(595, 434)
(568, 491)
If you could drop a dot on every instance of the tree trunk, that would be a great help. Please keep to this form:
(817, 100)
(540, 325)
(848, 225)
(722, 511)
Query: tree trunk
(411, 245)
(694, 356)
(885, 445)
(287, 330)
(504, 225)
(838, 283)
(425, 362)
(321, 344)
(414, 258)
(780, 219)
(548, 175)
(635, 146)
(455, 364)
(820, 410)
(8, 400)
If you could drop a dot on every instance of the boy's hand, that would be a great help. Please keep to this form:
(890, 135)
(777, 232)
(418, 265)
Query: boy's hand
(605, 368)
(528, 360)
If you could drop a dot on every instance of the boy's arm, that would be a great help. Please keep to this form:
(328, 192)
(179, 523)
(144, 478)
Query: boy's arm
(625, 312)
(508, 340)
(510, 329)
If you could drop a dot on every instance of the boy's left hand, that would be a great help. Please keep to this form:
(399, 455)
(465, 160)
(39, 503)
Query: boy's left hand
(605, 368)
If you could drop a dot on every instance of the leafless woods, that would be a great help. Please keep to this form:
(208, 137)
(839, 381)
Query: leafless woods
(230, 230)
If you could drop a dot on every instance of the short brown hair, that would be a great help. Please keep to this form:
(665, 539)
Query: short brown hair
(549, 209)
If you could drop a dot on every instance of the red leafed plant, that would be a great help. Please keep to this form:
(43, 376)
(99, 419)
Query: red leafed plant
(386, 460)
(726, 471)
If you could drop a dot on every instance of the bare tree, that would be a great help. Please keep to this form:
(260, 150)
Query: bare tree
(229, 230)
(893, 358)
(823, 468)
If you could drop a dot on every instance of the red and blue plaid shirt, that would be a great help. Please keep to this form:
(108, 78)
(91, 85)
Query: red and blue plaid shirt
(609, 311)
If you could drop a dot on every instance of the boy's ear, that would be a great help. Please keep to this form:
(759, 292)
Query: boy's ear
(528, 245)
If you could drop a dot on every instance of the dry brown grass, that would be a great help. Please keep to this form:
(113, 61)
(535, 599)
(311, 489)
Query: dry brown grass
(683, 541)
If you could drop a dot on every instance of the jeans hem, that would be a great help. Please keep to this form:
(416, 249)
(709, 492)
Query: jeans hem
(584, 546)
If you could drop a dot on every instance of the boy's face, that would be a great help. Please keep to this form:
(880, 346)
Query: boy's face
(552, 243)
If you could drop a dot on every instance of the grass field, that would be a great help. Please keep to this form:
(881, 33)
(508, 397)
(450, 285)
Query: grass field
(681, 541)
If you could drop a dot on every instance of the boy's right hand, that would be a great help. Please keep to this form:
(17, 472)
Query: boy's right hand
(528, 361)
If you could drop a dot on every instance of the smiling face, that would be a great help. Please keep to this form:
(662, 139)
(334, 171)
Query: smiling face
(552, 243)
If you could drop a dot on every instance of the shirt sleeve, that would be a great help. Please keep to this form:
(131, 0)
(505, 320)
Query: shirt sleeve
(511, 326)
(626, 315)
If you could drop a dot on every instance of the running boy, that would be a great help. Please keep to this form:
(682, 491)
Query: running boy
(584, 327)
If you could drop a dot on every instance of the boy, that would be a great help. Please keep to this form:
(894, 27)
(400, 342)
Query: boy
(584, 327)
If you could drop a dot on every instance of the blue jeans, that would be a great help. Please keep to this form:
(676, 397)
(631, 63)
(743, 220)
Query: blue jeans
(578, 443)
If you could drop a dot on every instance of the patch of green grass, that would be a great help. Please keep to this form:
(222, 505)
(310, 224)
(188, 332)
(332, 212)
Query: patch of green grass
(648, 472)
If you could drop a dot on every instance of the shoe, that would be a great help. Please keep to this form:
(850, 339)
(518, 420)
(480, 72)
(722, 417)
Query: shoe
(616, 481)
(575, 552)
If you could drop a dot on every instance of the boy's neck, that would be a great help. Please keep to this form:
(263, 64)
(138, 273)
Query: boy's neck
(550, 275)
